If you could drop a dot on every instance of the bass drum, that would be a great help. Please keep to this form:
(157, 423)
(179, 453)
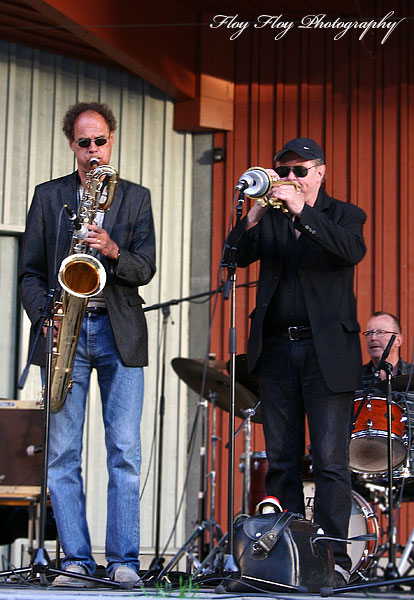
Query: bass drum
(362, 522)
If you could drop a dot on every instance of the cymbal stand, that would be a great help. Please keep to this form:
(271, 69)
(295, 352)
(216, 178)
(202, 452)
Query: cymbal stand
(212, 475)
(200, 560)
(246, 425)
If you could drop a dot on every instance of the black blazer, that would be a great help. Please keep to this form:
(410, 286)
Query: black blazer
(46, 242)
(333, 244)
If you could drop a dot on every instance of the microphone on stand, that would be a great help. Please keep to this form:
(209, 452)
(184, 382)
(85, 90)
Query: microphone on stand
(255, 182)
(80, 229)
(384, 356)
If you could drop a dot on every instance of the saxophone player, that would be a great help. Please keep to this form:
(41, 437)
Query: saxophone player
(113, 340)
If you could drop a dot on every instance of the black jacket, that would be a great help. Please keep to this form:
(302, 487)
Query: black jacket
(333, 244)
(46, 242)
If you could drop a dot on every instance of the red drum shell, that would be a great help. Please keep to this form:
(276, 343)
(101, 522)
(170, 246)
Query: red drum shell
(368, 449)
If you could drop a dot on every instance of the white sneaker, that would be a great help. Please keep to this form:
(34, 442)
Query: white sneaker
(124, 574)
(67, 580)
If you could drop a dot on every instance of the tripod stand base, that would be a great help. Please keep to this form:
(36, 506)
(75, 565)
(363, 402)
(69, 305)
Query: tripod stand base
(215, 531)
(376, 584)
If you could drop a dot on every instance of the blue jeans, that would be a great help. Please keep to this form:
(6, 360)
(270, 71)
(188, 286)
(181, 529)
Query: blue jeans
(291, 384)
(121, 390)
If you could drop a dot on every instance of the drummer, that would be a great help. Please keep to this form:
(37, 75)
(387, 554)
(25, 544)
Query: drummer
(380, 327)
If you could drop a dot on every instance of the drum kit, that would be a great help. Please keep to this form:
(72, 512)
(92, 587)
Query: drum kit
(368, 451)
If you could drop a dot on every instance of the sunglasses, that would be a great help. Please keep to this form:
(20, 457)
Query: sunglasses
(298, 170)
(86, 142)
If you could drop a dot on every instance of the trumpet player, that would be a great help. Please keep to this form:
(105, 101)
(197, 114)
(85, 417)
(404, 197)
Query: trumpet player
(113, 340)
(304, 343)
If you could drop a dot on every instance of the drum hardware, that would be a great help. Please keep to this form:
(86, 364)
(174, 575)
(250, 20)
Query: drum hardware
(254, 472)
(191, 372)
(362, 522)
(246, 426)
(391, 574)
(400, 383)
(248, 380)
(209, 380)
(405, 564)
(204, 564)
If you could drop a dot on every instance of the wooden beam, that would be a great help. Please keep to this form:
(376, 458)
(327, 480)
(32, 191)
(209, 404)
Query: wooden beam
(137, 36)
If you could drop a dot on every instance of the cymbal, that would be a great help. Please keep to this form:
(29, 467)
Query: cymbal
(398, 383)
(243, 376)
(191, 372)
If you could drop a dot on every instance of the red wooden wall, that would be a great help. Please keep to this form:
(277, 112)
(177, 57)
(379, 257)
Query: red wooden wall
(356, 98)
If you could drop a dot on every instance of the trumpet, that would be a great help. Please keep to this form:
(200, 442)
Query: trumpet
(259, 183)
(276, 202)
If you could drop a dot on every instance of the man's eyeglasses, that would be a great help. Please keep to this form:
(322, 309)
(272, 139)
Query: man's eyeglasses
(298, 170)
(86, 142)
(378, 332)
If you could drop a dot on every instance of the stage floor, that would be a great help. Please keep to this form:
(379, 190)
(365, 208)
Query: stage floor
(13, 590)
(19, 592)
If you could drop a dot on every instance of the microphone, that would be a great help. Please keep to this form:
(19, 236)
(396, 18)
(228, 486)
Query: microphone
(384, 356)
(80, 231)
(255, 182)
(32, 450)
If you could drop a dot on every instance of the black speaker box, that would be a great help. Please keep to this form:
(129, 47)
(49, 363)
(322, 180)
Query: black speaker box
(21, 432)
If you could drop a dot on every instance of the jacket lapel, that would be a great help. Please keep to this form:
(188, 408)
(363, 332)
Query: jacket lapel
(67, 195)
(111, 215)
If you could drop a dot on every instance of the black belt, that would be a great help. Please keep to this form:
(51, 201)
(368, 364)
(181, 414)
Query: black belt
(96, 310)
(296, 333)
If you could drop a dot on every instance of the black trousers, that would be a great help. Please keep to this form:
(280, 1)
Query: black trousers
(290, 385)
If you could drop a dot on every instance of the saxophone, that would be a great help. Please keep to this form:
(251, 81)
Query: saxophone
(81, 276)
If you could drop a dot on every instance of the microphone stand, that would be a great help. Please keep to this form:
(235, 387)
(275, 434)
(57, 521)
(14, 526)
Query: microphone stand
(380, 367)
(230, 565)
(158, 561)
(391, 570)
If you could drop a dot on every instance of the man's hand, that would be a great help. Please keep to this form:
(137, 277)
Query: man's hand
(99, 240)
(293, 198)
(56, 324)
(255, 214)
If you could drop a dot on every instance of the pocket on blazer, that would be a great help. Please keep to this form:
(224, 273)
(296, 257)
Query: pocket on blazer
(134, 299)
(351, 325)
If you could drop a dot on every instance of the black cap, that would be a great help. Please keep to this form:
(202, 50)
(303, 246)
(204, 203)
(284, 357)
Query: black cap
(304, 147)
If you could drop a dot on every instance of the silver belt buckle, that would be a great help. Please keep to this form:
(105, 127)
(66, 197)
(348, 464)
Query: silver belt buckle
(291, 337)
